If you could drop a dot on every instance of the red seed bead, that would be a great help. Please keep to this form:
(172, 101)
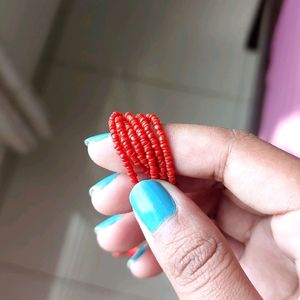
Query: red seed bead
(155, 145)
(142, 145)
(164, 145)
(135, 140)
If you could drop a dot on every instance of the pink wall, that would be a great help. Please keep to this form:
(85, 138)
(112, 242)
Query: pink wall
(281, 111)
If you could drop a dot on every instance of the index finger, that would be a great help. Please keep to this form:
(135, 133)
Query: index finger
(262, 176)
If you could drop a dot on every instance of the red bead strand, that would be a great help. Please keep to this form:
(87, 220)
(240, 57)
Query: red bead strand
(114, 128)
(155, 145)
(138, 138)
(142, 145)
(164, 146)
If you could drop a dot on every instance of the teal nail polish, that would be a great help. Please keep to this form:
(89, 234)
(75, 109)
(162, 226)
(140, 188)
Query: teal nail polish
(152, 203)
(137, 255)
(96, 138)
(102, 183)
(109, 221)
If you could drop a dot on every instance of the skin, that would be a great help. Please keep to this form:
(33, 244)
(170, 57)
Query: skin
(249, 189)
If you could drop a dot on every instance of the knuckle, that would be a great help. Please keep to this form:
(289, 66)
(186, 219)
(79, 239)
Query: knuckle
(234, 138)
(238, 135)
(196, 261)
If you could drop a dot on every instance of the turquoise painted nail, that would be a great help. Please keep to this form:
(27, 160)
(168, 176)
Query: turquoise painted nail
(103, 183)
(152, 203)
(137, 255)
(109, 221)
(96, 138)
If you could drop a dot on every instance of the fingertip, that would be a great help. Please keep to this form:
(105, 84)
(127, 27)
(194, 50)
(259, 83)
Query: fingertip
(140, 251)
(98, 186)
(110, 195)
(96, 138)
(103, 154)
(143, 264)
(119, 233)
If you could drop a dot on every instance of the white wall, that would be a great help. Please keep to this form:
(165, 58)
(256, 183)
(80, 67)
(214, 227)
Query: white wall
(24, 26)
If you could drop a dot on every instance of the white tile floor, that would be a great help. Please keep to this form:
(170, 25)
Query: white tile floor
(183, 60)
(32, 284)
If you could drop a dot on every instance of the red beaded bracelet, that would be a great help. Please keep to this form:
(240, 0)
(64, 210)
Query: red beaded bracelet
(142, 145)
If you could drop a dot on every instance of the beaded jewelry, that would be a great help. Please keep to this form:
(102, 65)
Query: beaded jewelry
(142, 145)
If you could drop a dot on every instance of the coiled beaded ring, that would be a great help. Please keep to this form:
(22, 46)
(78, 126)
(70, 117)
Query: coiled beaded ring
(142, 145)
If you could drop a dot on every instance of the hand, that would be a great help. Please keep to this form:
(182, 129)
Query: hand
(229, 230)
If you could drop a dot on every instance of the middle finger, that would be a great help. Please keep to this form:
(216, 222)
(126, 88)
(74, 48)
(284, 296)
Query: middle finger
(111, 195)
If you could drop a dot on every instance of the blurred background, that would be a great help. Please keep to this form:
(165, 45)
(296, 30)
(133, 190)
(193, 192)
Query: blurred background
(65, 65)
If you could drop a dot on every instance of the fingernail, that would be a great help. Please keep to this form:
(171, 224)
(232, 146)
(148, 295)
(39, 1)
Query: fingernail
(109, 221)
(96, 138)
(152, 203)
(102, 183)
(137, 255)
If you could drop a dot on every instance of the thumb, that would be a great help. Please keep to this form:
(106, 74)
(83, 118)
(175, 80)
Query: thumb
(190, 249)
